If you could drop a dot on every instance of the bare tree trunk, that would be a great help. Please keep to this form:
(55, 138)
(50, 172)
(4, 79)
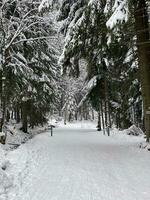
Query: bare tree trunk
(65, 116)
(7, 115)
(102, 113)
(99, 120)
(18, 114)
(106, 108)
(92, 114)
(109, 116)
(142, 28)
(24, 117)
(118, 123)
(12, 114)
(76, 115)
(81, 114)
(3, 103)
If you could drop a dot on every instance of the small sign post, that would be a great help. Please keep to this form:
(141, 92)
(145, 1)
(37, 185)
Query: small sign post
(51, 128)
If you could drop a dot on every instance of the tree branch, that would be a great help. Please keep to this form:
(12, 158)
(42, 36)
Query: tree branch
(19, 29)
(32, 39)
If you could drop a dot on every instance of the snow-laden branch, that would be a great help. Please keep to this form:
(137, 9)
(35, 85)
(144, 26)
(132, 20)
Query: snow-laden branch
(17, 33)
(33, 39)
(20, 28)
(88, 88)
(120, 12)
(44, 3)
(28, 13)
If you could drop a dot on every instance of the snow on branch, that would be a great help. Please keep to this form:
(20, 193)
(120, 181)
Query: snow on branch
(88, 88)
(20, 28)
(120, 12)
(33, 39)
(44, 3)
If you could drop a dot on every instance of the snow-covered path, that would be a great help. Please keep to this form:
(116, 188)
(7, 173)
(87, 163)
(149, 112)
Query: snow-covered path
(80, 164)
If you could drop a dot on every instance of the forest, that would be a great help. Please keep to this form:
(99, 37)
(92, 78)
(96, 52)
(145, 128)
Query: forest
(73, 58)
(74, 99)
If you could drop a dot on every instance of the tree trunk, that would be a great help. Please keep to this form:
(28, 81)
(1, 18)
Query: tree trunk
(118, 121)
(99, 120)
(69, 117)
(81, 116)
(65, 116)
(76, 115)
(18, 115)
(7, 116)
(106, 108)
(103, 122)
(24, 117)
(142, 28)
(4, 63)
(2, 101)
(32, 122)
(12, 114)
(1, 105)
(109, 116)
(92, 114)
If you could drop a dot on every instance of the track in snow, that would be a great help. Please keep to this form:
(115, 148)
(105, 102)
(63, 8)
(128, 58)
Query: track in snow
(80, 164)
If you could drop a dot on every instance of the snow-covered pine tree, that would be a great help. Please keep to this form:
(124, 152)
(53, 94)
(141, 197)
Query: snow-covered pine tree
(139, 11)
(88, 37)
(28, 59)
(84, 38)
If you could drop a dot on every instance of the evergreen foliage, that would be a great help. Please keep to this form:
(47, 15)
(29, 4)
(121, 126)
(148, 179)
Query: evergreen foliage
(110, 56)
(28, 61)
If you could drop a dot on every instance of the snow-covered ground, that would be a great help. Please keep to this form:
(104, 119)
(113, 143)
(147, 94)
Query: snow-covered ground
(78, 163)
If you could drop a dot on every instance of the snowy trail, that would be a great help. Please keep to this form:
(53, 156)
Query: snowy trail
(80, 164)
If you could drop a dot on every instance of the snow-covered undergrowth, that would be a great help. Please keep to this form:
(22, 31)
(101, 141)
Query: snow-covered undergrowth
(16, 137)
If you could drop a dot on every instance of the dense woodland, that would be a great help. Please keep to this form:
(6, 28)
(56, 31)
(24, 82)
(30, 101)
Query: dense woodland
(75, 58)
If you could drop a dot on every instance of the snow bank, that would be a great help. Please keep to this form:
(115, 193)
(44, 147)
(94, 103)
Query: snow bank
(134, 130)
(145, 145)
(131, 131)
(16, 137)
(132, 135)
(2, 154)
(6, 181)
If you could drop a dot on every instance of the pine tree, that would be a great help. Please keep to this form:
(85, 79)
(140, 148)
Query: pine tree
(29, 69)
(110, 57)
(139, 12)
